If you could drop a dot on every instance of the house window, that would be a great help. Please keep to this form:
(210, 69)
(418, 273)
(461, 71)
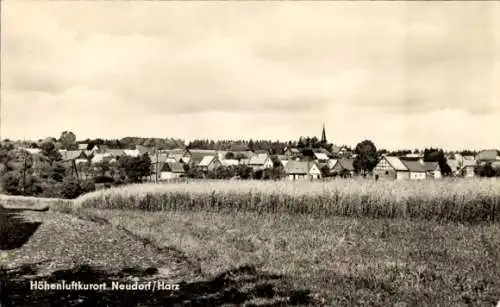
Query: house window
(387, 172)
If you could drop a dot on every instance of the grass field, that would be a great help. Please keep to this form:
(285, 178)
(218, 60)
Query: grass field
(342, 261)
(348, 242)
(463, 200)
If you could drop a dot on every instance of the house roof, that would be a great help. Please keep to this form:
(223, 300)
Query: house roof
(205, 161)
(293, 150)
(239, 147)
(161, 158)
(396, 163)
(116, 152)
(83, 146)
(320, 156)
(71, 154)
(245, 153)
(453, 164)
(488, 155)
(144, 149)
(197, 155)
(174, 167)
(346, 164)
(259, 159)
(414, 166)
(298, 167)
(176, 156)
(174, 151)
(99, 157)
(132, 152)
(331, 162)
(336, 149)
(33, 151)
(431, 166)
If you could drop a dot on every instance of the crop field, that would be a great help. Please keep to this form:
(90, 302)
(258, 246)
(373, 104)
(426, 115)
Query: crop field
(329, 243)
(474, 200)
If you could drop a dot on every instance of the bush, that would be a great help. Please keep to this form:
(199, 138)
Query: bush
(11, 183)
(70, 189)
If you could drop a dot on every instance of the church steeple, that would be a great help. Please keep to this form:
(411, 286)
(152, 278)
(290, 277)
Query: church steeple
(323, 135)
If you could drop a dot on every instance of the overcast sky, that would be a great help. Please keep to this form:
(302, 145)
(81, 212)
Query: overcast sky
(403, 74)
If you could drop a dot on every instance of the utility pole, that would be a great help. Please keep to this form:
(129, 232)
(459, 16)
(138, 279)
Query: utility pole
(156, 167)
(24, 174)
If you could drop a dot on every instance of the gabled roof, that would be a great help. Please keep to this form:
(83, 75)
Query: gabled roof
(83, 146)
(176, 156)
(144, 149)
(293, 149)
(431, 166)
(161, 158)
(206, 161)
(396, 163)
(488, 155)
(245, 153)
(258, 159)
(320, 156)
(174, 167)
(414, 166)
(298, 167)
(336, 149)
(346, 164)
(197, 155)
(453, 164)
(71, 154)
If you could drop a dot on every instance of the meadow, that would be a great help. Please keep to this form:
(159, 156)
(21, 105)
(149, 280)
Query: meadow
(346, 242)
(459, 200)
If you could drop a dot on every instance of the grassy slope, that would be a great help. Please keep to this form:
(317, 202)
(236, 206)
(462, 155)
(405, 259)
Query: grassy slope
(343, 260)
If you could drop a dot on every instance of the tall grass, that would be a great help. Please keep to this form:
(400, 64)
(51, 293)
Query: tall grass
(464, 200)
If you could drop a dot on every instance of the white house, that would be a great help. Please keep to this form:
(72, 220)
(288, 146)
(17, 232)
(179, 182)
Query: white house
(171, 170)
(296, 170)
(209, 163)
(391, 167)
(432, 169)
(260, 162)
(321, 157)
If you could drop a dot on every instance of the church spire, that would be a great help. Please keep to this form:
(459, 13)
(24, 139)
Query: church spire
(323, 135)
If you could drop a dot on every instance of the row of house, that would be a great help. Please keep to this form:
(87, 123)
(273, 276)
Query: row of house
(169, 164)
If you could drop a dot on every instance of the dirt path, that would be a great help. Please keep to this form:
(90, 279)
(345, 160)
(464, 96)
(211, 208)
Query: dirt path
(62, 241)
(51, 247)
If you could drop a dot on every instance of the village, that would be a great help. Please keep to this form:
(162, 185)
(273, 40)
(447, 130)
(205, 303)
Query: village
(291, 164)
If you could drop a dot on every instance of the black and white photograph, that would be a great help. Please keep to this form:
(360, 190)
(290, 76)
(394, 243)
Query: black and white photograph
(250, 153)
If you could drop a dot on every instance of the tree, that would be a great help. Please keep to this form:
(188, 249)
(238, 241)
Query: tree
(136, 168)
(366, 157)
(49, 150)
(486, 170)
(68, 140)
(437, 155)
